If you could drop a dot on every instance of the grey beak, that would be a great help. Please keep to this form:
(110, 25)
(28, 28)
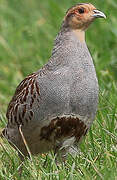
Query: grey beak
(98, 14)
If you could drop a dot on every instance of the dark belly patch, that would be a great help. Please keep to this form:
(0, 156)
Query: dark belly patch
(61, 127)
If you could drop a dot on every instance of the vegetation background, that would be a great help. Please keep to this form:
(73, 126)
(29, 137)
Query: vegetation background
(27, 31)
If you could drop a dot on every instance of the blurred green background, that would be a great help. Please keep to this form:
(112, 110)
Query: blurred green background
(27, 31)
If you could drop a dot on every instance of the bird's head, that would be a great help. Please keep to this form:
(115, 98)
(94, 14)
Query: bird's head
(82, 15)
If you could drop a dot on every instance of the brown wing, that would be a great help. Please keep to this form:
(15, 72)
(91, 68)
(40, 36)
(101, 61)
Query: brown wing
(20, 107)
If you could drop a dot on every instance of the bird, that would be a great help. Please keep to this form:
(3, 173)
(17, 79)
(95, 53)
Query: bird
(54, 108)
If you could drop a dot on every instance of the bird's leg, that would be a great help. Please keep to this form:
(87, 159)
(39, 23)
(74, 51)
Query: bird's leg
(62, 153)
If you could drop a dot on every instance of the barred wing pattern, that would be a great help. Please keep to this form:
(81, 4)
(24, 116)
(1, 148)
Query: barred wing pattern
(20, 108)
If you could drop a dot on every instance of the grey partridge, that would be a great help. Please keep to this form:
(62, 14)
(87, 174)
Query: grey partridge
(56, 105)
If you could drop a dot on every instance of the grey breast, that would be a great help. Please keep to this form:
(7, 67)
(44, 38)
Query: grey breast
(70, 85)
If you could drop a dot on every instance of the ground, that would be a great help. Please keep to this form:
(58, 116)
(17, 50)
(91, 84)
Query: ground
(27, 31)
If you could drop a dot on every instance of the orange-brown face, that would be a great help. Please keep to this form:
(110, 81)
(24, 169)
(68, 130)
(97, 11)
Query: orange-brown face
(81, 16)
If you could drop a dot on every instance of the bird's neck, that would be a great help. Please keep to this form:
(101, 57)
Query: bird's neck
(68, 32)
(79, 34)
(69, 44)
(68, 36)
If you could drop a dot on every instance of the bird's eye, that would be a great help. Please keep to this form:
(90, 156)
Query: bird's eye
(81, 10)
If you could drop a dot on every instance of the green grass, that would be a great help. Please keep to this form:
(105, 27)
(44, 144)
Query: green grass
(27, 31)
